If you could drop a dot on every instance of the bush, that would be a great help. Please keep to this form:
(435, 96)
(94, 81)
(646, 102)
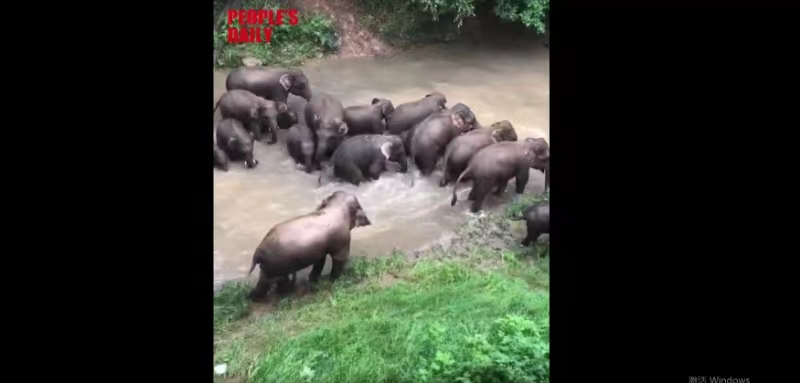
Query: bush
(402, 21)
(290, 45)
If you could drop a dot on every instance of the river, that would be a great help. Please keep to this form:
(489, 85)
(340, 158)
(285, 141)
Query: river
(498, 82)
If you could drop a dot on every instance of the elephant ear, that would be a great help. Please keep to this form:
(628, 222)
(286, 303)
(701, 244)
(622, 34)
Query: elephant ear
(386, 149)
(231, 142)
(286, 81)
(255, 112)
(387, 108)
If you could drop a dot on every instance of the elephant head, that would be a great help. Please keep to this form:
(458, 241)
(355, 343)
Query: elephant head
(394, 150)
(462, 117)
(538, 153)
(503, 131)
(333, 125)
(386, 106)
(296, 83)
(267, 113)
(244, 149)
(440, 100)
(348, 202)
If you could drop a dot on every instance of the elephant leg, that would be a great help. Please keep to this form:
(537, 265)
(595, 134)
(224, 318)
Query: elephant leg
(316, 271)
(285, 285)
(502, 184)
(481, 189)
(262, 287)
(308, 156)
(471, 196)
(255, 128)
(273, 132)
(546, 179)
(532, 235)
(339, 259)
(426, 163)
(522, 180)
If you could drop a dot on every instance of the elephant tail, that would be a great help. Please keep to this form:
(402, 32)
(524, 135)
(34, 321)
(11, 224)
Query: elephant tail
(252, 266)
(455, 187)
(258, 258)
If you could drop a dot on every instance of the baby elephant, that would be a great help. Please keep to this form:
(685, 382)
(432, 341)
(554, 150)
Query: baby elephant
(307, 240)
(368, 119)
(233, 142)
(364, 157)
(253, 111)
(537, 218)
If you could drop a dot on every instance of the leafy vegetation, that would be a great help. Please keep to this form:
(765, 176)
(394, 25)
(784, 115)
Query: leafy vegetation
(472, 312)
(403, 22)
(290, 45)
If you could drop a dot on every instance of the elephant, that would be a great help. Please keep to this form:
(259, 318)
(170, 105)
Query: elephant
(220, 159)
(364, 157)
(233, 142)
(296, 112)
(543, 150)
(405, 116)
(368, 119)
(275, 85)
(307, 240)
(253, 111)
(324, 115)
(300, 144)
(463, 147)
(537, 219)
(431, 137)
(493, 166)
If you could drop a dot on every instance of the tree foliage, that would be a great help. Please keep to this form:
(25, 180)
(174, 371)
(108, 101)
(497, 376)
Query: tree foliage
(531, 13)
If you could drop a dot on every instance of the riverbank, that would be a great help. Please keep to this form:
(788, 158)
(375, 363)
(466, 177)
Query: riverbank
(476, 308)
(358, 28)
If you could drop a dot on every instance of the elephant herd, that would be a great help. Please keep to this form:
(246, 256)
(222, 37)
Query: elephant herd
(357, 142)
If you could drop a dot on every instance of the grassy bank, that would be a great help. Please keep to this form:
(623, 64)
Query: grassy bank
(474, 311)
(312, 37)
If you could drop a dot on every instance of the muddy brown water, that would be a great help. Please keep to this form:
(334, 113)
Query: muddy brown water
(498, 83)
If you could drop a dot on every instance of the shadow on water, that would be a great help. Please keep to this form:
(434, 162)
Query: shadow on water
(499, 81)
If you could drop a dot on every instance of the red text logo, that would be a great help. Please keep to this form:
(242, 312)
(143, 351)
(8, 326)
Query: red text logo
(255, 24)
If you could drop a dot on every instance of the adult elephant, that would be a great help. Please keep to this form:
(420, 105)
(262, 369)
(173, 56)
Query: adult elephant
(493, 166)
(275, 85)
(368, 119)
(364, 157)
(307, 240)
(409, 114)
(463, 147)
(431, 136)
(233, 142)
(253, 111)
(324, 115)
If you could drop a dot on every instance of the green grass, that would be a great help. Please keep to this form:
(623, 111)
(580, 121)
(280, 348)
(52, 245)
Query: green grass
(313, 37)
(476, 311)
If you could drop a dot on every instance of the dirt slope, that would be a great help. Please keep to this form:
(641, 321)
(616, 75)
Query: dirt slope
(355, 40)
